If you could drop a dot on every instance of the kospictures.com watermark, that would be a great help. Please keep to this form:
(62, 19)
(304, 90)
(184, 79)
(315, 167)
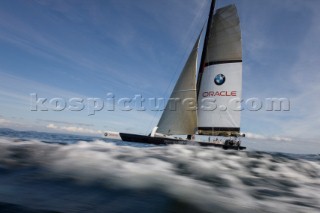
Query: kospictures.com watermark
(139, 103)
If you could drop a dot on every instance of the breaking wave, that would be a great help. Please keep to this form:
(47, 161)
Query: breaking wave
(210, 180)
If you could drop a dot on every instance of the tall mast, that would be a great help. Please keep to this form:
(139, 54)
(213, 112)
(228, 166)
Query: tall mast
(204, 51)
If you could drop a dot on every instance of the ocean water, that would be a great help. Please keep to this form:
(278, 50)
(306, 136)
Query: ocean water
(41, 172)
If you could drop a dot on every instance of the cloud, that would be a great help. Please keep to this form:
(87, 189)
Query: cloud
(17, 123)
(263, 137)
(52, 126)
(65, 123)
(74, 129)
(4, 121)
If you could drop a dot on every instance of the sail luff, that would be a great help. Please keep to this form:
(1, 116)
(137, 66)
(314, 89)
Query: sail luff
(205, 46)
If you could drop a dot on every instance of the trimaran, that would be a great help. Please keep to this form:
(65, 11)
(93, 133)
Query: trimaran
(217, 86)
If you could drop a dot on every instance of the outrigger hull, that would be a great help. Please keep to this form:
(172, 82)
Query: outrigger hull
(170, 141)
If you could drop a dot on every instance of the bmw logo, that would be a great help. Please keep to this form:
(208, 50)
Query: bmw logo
(219, 79)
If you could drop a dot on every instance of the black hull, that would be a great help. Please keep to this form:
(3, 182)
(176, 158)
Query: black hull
(171, 141)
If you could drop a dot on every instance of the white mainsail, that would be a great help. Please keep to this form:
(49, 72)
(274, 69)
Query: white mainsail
(221, 83)
(180, 115)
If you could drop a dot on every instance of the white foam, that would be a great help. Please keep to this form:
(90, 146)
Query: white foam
(213, 180)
